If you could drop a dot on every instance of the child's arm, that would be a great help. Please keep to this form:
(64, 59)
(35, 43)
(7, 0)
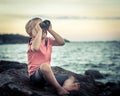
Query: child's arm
(36, 43)
(58, 39)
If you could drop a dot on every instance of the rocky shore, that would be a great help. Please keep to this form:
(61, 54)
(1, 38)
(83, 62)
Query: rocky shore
(14, 81)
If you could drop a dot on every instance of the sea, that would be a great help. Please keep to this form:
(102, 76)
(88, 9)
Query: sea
(103, 56)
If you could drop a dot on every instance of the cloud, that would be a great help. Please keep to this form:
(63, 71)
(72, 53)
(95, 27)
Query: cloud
(55, 6)
(23, 16)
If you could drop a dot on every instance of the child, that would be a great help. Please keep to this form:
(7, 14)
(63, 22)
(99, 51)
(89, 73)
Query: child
(39, 58)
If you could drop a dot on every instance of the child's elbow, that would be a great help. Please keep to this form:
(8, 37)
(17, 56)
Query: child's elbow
(62, 43)
(35, 49)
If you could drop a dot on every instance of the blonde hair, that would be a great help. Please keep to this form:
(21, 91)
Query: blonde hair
(31, 25)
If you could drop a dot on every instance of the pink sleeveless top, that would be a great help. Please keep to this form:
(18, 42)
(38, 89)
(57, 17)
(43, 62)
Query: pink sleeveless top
(39, 57)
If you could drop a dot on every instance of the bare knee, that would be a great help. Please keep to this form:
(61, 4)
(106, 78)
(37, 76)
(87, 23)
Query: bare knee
(45, 68)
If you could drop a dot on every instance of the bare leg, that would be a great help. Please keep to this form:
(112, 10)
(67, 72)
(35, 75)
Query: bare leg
(49, 76)
(69, 84)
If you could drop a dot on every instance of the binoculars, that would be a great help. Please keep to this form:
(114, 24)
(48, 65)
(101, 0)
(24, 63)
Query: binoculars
(45, 24)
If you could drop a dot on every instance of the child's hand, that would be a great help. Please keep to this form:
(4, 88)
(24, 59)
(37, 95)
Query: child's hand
(38, 28)
(50, 27)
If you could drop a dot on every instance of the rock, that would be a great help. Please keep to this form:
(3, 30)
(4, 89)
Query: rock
(5, 65)
(14, 81)
(115, 91)
(94, 74)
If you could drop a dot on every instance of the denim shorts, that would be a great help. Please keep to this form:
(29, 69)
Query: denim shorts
(38, 79)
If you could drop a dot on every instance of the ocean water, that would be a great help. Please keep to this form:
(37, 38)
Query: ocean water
(75, 56)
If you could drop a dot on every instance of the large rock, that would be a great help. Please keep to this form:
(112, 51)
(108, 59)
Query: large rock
(14, 81)
(94, 74)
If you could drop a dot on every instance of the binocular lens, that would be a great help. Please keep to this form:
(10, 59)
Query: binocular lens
(45, 24)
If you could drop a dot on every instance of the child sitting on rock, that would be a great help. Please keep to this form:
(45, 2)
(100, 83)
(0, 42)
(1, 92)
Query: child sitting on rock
(39, 57)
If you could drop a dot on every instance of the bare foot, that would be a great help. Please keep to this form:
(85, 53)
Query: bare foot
(69, 84)
(69, 81)
(72, 87)
(62, 91)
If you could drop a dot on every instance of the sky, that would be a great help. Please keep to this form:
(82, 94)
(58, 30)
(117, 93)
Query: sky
(75, 20)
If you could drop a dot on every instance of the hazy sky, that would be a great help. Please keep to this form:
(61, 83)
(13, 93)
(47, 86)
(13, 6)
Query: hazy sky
(76, 20)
